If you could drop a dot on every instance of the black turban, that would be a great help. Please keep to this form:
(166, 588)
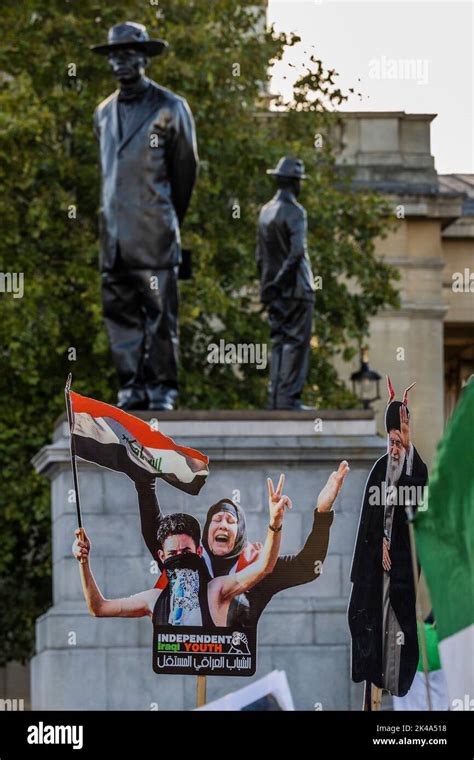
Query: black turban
(392, 416)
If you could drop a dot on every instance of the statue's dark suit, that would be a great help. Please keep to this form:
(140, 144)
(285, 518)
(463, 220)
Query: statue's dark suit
(287, 288)
(148, 159)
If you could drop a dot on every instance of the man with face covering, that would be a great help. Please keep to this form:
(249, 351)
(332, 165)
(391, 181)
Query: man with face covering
(190, 597)
(226, 549)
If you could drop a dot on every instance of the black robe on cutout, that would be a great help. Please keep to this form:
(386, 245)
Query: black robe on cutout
(365, 606)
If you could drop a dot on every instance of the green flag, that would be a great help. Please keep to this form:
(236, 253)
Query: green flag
(432, 648)
(445, 541)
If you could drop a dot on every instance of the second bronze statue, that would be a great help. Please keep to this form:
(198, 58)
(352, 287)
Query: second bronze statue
(149, 160)
(287, 285)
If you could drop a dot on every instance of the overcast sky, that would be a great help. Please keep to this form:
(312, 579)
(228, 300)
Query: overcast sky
(409, 56)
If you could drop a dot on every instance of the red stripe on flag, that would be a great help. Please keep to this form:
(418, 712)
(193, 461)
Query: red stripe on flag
(141, 431)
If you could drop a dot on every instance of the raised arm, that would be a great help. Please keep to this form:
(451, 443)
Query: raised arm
(304, 567)
(139, 605)
(150, 513)
(237, 583)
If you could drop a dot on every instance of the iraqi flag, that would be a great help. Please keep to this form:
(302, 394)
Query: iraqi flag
(445, 543)
(112, 438)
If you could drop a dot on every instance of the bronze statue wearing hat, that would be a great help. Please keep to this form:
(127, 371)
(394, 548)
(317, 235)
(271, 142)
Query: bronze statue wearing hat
(287, 285)
(149, 161)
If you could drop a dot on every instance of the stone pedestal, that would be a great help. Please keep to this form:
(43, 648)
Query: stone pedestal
(105, 664)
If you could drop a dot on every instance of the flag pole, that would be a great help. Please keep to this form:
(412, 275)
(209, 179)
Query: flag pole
(67, 390)
(201, 691)
(410, 513)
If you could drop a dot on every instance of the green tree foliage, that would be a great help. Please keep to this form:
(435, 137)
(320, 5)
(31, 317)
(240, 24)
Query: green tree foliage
(50, 84)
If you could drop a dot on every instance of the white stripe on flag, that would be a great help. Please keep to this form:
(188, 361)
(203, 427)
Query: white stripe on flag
(93, 427)
(171, 463)
(457, 657)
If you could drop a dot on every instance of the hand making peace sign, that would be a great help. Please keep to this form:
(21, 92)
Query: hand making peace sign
(277, 502)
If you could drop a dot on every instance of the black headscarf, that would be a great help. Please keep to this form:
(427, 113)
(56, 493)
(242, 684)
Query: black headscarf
(222, 565)
(392, 415)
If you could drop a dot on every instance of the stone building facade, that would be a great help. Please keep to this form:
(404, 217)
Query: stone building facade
(431, 338)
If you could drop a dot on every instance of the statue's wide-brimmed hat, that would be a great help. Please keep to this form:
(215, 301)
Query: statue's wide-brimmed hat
(130, 35)
(289, 167)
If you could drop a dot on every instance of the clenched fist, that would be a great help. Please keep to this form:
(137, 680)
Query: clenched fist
(81, 546)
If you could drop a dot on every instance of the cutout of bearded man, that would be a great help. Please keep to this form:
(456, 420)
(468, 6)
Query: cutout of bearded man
(382, 614)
